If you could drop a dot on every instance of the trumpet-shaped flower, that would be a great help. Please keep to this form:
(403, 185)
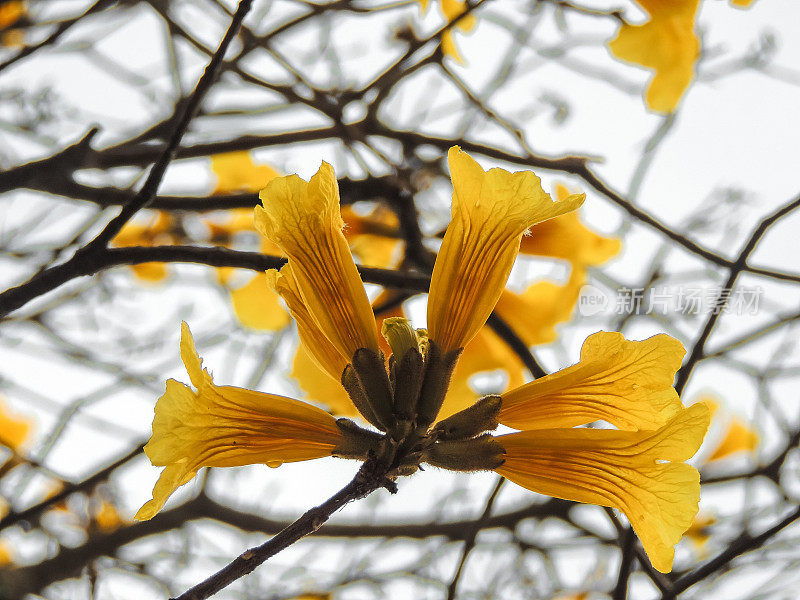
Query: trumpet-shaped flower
(320, 283)
(667, 44)
(223, 426)
(491, 212)
(627, 383)
(637, 468)
(640, 473)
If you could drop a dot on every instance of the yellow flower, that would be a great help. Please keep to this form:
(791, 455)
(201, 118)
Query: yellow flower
(14, 429)
(255, 305)
(236, 172)
(452, 10)
(566, 237)
(223, 426)
(667, 44)
(741, 3)
(11, 12)
(737, 435)
(106, 517)
(6, 554)
(491, 212)
(637, 472)
(699, 533)
(320, 283)
(626, 383)
(373, 237)
(158, 231)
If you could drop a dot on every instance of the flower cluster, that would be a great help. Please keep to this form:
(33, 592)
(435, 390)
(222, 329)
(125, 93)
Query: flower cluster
(637, 467)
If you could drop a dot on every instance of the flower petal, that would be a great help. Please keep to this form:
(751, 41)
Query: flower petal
(313, 339)
(619, 469)
(626, 383)
(304, 220)
(223, 426)
(491, 210)
(236, 172)
(667, 44)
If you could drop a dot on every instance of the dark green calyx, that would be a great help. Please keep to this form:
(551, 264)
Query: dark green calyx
(357, 443)
(371, 370)
(482, 453)
(438, 371)
(480, 417)
(352, 385)
(408, 376)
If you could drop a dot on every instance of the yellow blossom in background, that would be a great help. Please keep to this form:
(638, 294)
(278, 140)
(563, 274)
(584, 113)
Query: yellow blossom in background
(6, 555)
(373, 237)
(566, 237)
(491, 211)
(106, 517)
(640, 473)
(236, 172)
(666, 44)
(737, 436)
(14, 429)
(10, 14)
(699, 533)
(223, 426)
(158, 230)
(255, 305)
(452, 9)
(741, 3)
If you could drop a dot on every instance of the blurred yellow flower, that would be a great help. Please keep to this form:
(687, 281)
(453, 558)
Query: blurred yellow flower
(667, 44)
(699, 533)
(737, 436)
(11, 12)
(374, 237)
(236, 172)
(566, 237)
(533, 316)
(106, 517)
(14, 429)
(6, 555)
(159, 230)
(255, 305)
(223, 426)
(452, 10)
